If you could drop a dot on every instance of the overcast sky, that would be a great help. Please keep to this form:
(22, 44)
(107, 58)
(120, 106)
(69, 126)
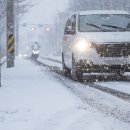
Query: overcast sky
(44, 11)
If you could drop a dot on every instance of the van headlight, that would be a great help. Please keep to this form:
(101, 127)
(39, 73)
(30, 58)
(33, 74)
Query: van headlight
(82, 45)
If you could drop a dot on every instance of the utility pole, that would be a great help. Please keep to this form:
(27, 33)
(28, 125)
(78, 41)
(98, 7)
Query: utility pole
(57, 36)
(0, 58)
(17, 27)
(2, 13)
(10, 34)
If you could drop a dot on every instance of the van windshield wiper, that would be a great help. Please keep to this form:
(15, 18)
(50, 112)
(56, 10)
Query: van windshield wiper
(113, 26)
(100, 28)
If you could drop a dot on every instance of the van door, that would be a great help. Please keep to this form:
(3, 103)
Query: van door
(68, 40)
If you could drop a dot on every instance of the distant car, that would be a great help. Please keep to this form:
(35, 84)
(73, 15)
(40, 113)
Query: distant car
(96, 41)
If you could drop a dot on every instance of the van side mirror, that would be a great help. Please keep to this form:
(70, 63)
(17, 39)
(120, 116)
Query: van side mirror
(69, 30)
(68, 27)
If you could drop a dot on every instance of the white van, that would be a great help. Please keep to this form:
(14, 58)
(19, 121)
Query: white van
(96, 42)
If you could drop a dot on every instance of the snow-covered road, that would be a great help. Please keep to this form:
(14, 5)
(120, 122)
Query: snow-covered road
(32, 98)
(119, 86)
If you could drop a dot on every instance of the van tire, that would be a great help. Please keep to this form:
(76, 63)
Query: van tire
(76, 74)
(65, 70)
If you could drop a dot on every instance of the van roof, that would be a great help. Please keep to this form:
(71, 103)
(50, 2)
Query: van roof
(102, 12)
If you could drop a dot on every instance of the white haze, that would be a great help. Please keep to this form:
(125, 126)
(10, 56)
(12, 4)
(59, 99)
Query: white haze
(43, 12)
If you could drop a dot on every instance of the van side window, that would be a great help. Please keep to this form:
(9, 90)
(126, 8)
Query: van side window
(73, 22)
(68, 24)
(70, 27)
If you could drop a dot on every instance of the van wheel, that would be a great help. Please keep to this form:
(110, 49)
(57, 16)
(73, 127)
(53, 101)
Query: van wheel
(76, 74)
(65, 70)
(119, 75)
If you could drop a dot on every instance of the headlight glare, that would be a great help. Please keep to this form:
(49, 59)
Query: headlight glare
(83, 45)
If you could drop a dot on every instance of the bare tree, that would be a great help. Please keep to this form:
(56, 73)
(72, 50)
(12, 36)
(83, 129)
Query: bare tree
(20, 8)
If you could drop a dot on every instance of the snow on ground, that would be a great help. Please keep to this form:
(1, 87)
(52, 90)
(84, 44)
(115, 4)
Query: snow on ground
(50, 63)
(120, 86)
(28, 95)
(3, 59)
(32, 99)
(55, 57)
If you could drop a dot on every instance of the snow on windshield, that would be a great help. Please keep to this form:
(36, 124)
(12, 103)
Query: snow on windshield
(112, 22)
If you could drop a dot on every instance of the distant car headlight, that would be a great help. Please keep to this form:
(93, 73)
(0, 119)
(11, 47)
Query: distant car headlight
(20, 55)
(82, 45)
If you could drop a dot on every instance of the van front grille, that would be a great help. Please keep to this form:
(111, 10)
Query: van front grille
(113, 50)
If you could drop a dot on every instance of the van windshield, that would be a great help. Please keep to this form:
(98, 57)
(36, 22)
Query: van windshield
(103, 22)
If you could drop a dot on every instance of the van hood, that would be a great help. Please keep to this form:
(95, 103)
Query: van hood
(106, 37)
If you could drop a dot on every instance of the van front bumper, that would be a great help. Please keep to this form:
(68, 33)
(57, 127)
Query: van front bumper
(86, 67)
